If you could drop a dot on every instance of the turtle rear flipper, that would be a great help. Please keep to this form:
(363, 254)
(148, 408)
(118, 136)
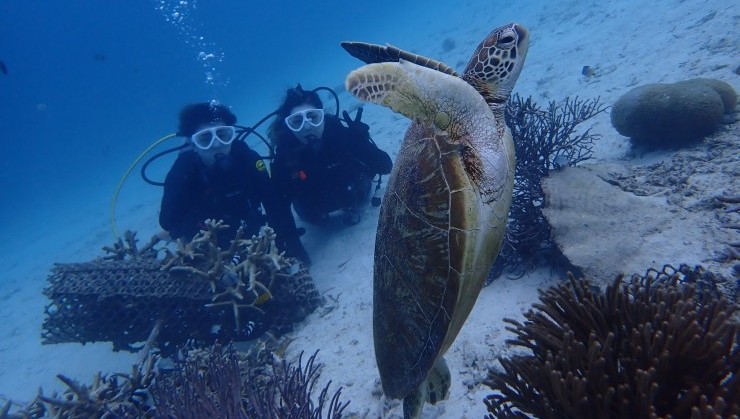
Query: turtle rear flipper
(373, 53)
(435, 388)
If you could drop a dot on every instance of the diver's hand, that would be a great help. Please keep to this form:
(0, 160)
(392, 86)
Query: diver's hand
(356, 125)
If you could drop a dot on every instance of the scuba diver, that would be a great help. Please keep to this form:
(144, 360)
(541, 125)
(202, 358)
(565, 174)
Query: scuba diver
(321, 165)
(219, 178)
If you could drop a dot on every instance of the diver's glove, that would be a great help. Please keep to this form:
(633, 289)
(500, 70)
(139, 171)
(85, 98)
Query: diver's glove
(356, 125)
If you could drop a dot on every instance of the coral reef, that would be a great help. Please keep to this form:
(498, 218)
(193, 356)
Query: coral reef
(645, 348)
(127, 248)
(670, 115)
(545, 139)
(292, 388)
(725, 91)
(241, 276)
(207, 384)
(217, 382)
(109, 396)
(197, 291)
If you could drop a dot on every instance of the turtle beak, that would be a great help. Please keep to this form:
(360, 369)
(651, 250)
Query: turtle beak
(523, 34)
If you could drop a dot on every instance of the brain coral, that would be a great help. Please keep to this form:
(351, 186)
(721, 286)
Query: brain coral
(672, 114)
(725, 90)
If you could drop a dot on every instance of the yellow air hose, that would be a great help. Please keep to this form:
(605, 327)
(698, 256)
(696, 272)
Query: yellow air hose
(123, 179)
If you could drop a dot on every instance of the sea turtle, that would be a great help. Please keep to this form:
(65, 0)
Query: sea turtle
(445, 210)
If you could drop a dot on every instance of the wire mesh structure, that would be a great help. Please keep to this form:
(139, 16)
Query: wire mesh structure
(197, 292)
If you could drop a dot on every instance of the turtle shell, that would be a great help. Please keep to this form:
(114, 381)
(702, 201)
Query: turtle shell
(433, 251)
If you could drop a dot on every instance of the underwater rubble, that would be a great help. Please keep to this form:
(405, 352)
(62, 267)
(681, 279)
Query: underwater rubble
(608, 219)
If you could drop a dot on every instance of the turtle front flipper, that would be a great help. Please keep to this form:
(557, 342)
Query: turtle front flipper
(436, 387)
(415, 91)
(373, 53)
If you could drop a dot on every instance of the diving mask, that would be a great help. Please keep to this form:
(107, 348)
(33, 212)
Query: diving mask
(297, 120)
(205, 138)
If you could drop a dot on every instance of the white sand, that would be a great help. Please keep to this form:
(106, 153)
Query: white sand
(626, 42)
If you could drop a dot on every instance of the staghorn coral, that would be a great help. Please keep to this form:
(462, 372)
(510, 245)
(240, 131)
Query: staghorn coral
(126, 248)
(241, 276)
(643, 349)
(198, 291)
(117, 395)
(545, 139)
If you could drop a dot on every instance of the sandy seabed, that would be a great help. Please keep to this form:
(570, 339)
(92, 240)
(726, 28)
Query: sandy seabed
(626, 43)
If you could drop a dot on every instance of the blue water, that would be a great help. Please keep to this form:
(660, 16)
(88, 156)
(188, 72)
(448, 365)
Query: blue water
(91, 83)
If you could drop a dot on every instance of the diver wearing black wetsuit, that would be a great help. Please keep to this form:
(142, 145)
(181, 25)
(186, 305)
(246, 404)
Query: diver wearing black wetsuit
(233, 187)
(321, 165)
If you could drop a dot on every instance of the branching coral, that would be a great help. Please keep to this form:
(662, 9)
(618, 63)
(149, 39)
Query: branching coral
(199, 291)
(127, 247)
(234, 274)
(643, 349)
(218, 382)
(116, 395)
(544, 140)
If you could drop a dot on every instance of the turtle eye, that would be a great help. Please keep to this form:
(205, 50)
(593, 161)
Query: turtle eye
(506, 40)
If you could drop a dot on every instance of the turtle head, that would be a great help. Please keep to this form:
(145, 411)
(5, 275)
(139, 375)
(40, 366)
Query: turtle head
(497, 62)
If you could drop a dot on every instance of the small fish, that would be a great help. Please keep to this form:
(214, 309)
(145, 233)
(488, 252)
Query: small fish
(3, 68)
(280, 351)
(250, 327)
(262, 298)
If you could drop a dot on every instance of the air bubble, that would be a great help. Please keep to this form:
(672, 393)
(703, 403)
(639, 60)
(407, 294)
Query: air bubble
(180, 13)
